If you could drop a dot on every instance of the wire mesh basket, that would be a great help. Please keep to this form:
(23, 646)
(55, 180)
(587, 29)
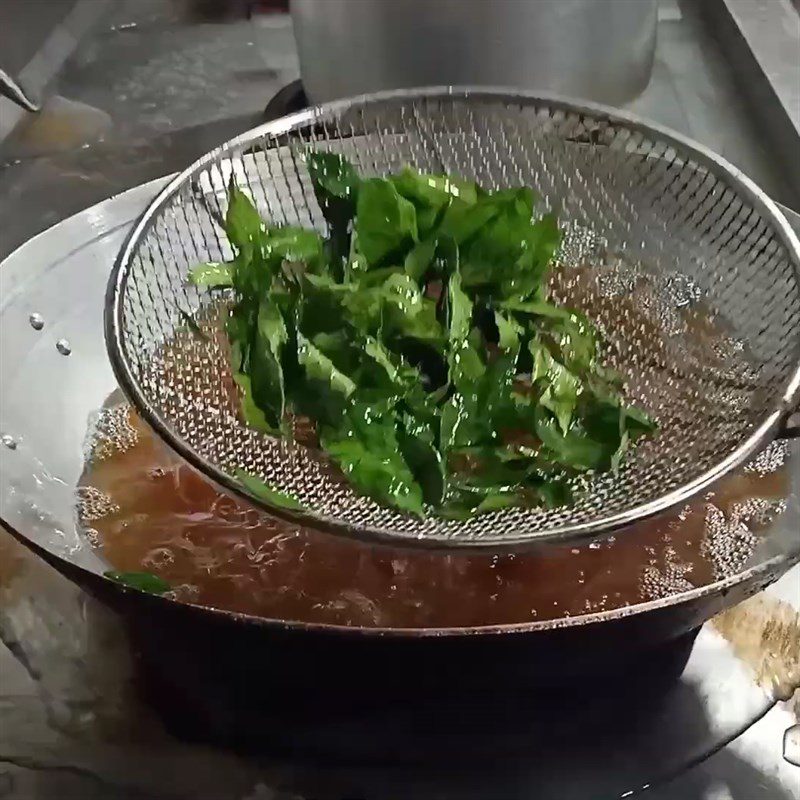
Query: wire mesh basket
(687, 268)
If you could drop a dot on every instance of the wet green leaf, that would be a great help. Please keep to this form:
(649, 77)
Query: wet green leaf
(259, 488)
(385, 220)
(213, 274)
(143, 581)
(366, 448)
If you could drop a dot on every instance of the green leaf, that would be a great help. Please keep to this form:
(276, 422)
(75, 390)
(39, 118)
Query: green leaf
(542, 360)
(364, 310)
(319, 367)
(494, 501)
(574, 449)
(252, 414)
(464, 503)
(618, 426)
(257, 487)
(494, 254)
(576, 341)
(560, 387)
(265, 368)
(637, 423)
(488, 404)
(465, 365)
(418, 446)
(243, 225)
(466, 368)
(335, 183)
(554, 492)
(508, 332)
(540, 308)
(419, 258)
(406, 310)
(517, 201)
(385, 221)
(143, 581)
(572, 335)
(402, 291)
(367, 450)
(375, 278)
(213, 274)
(495, 249)
(451, 416)
(428, 218)
(293, 244)
(434, 191)
(460, 312)
(507, 255)
(502, 477)
(561, 395)
(530, 268)
(394, 305)
(333, 177)
(327, 284)
(271, 326)
(463, 220)
(399, 373)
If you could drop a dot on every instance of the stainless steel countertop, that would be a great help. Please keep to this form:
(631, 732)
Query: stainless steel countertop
(151, 88)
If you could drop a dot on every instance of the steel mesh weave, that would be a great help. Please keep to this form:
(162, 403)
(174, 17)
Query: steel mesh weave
(686, 268)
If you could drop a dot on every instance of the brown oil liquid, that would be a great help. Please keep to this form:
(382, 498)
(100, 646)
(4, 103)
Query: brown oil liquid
(146, 510)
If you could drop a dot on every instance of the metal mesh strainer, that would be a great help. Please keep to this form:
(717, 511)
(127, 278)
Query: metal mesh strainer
(688, 269)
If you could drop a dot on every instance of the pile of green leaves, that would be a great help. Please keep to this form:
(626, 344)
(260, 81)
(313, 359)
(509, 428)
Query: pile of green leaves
(419, 338)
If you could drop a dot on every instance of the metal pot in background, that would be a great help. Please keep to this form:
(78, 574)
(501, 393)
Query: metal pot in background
(601, 50)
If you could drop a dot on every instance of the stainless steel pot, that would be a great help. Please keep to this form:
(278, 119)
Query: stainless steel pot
(600, 50)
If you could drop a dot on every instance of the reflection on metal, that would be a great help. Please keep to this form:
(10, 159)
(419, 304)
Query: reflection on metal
(791, 745)
(761, 40)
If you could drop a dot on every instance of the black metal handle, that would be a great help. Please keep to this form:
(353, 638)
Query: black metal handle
(13, 91)
(790, 429)
(791, 423)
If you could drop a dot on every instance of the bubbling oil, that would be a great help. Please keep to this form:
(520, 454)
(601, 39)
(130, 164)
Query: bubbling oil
(145, 509)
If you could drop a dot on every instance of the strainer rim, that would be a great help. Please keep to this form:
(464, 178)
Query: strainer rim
(117, 349)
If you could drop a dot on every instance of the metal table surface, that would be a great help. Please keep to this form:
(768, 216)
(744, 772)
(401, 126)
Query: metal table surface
(151, 88)
(143, 93)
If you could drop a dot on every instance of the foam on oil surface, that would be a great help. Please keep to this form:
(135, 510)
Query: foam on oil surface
(146, 510)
